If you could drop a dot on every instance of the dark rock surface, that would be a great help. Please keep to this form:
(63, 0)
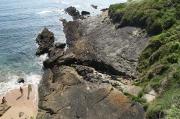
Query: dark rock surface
(94, 6)
(21, 80)
(84, 13)
(45, 40)
(72, 11)
(96, 39)
(83, 81)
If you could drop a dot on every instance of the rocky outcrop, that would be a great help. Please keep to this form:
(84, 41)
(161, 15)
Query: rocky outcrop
(72, 11)
(84, 13)
(87, 80)
(94, 6)
(45, 41)
(95, 39)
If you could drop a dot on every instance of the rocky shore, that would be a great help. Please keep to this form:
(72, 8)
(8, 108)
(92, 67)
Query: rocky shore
(88, 79)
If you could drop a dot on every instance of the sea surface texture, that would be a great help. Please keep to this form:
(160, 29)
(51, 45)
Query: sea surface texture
(20, 22)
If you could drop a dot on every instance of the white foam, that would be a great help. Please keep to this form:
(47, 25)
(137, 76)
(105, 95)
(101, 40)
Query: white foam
(41, 59)
(51, 11)
(61, 1)
(12, 83)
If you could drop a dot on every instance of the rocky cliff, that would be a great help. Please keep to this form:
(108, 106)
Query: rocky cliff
(87, 80)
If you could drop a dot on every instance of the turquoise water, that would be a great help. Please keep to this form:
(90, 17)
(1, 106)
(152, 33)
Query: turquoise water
(20, 22)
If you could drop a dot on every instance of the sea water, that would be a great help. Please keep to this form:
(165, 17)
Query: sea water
(20, 22)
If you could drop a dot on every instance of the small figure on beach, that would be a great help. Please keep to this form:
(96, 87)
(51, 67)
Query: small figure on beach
(21, 91)
(29, 90)
(3, 100)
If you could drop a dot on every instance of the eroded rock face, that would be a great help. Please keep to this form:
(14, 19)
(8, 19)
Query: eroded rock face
(96, 39)
(81, 82)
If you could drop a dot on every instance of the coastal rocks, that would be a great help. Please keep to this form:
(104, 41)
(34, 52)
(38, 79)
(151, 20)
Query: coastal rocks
(45, 40)
(21, 80)
(97, 41)
(46, 44)
(84, 81)
(71, 97)
(94, 6)
(72, 11)
(60, 45)
(84, 13)
(71, 31)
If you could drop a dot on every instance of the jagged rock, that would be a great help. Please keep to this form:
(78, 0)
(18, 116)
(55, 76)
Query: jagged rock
(94, 6)
(72, 11)
(45, 40)
(21, 80)
(105, 9)
(71, 30)
(84, 13)
(92, 40)
(81, 82)
(60, 45)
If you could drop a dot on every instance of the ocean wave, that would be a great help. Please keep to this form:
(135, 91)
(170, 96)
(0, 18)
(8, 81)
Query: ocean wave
(51, 11)
(41, 59)
(61, 1)
(12, 83)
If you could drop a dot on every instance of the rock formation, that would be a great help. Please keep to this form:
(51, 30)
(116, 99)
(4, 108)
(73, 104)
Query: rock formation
(45, 41)
(88, 79)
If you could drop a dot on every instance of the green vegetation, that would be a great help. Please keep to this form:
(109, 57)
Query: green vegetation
(153, 15)
(159, 63)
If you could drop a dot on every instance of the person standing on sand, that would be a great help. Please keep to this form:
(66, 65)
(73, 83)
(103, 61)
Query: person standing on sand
(21, 91)
(29, 90)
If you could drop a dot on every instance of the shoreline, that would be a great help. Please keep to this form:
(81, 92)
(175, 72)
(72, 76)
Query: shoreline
(21, 107)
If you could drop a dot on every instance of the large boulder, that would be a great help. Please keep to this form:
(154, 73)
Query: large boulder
(84, 13)
(72, 11)
(21, 80)
(45, 40)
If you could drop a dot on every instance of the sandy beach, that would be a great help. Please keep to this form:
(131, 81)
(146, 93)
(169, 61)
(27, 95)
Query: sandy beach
(21, 107)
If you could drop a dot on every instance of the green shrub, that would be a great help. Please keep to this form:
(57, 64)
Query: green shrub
(153, 15)
(173, 58)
